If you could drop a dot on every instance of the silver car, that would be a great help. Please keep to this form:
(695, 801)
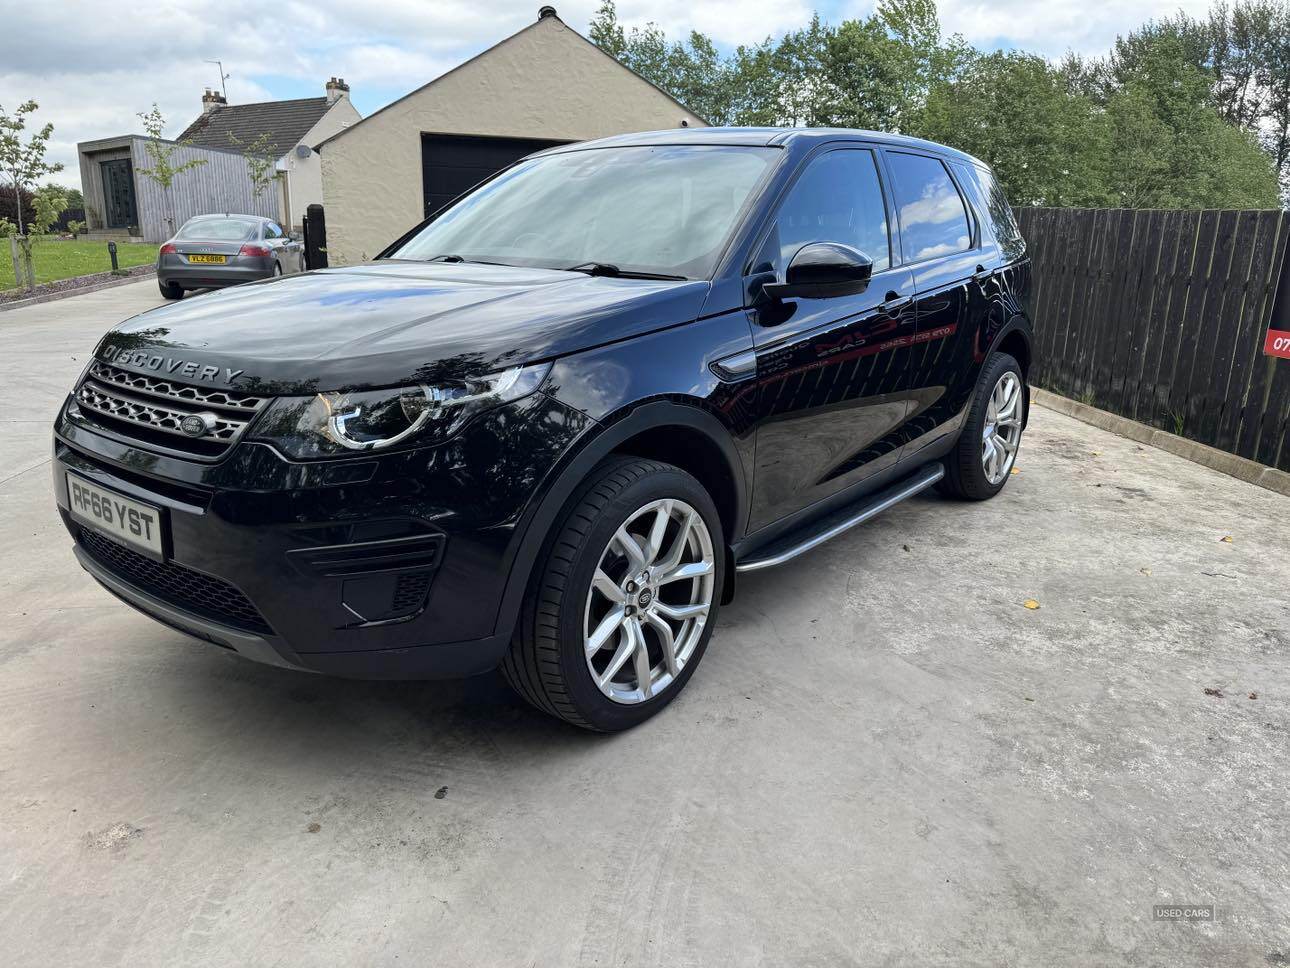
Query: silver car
(210, 251)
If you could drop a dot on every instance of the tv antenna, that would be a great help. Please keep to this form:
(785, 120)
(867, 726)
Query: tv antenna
(222, 77)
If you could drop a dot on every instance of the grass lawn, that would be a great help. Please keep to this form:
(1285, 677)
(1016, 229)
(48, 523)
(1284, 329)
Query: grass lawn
(59, 259)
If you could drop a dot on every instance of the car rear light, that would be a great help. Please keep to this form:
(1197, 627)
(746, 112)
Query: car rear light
(168, 249)
(255, 250)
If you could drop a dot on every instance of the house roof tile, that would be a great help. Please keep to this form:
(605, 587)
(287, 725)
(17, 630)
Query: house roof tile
(285, 122)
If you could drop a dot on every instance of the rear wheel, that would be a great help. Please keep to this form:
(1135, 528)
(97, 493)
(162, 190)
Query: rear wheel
(170, 290)
(981, 461)
(624, 604)
(277, 268)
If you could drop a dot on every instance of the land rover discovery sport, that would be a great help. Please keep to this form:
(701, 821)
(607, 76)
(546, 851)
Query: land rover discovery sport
(547, 428)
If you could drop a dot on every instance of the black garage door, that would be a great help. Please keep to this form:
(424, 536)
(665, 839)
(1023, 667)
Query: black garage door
(451, 163)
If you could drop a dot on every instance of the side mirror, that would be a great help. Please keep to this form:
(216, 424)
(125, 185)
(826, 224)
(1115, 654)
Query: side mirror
(823, 269)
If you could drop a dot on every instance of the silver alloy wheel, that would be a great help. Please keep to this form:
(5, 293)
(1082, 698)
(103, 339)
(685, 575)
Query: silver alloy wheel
(649, 601)
(1001, 434)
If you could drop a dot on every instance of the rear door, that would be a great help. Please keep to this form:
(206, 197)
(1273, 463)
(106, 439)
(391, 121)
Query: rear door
(942, 243)
(832, 372)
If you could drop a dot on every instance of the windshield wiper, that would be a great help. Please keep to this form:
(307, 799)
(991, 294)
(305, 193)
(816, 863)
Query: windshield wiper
(474, 262)
(609, 269)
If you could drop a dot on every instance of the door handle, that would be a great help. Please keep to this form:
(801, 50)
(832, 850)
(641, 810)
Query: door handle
(895, 303)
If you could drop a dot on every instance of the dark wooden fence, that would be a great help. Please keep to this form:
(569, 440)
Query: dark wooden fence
(1161, 316)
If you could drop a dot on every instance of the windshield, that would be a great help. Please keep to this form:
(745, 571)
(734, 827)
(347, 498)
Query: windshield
(217, 229)
(665, 209)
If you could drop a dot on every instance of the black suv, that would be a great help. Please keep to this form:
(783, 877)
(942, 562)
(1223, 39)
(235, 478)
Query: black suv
(547, 427)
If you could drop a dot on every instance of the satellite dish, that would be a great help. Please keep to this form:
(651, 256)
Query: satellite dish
(302, 151)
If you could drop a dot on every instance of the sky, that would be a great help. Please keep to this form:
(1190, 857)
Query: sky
(93, 66)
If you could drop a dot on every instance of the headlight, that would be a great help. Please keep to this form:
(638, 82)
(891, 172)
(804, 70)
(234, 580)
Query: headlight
(330, 424)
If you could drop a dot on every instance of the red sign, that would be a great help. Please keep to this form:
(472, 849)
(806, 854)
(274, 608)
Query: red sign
(1277, 343)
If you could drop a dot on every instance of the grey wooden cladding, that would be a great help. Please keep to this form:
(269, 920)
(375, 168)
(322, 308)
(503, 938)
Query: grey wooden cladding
(221, 185)
(1160, 316)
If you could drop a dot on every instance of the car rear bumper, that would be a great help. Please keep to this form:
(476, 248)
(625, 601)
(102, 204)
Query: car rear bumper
(212, 276)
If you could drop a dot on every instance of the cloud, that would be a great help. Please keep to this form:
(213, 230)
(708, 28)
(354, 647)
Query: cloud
(728, 22)
(1052, 27)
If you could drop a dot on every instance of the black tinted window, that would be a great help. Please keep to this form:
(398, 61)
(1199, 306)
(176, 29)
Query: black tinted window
(1006, 230)
(837, 199)
(933, 221)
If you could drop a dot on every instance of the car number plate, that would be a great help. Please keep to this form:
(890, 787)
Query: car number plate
(127, 521)
(212, 259)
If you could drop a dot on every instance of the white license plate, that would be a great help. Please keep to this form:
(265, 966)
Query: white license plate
(117, 516)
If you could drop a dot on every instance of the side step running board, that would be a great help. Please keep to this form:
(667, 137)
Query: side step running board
(799, 542)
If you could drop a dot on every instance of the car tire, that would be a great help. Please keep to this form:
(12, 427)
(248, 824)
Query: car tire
(170, 290)
(586, 581)
(277, 269)
(979, 465)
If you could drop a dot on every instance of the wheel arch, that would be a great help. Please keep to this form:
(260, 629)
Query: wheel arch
(673, 432)
(1015, 339)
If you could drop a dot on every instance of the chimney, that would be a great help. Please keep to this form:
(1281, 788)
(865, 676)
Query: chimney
(337, 89)
(212, 101)
(548, 11)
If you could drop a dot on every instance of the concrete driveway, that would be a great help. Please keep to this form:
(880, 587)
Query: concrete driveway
(885, 758)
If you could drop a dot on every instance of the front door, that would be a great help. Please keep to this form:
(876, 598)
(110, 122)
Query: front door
(118, 194)
(832, 392)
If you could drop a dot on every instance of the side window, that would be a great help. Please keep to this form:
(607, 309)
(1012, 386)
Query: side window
(1004, 222)
(838, 198)
(933, 219)
(271, 230)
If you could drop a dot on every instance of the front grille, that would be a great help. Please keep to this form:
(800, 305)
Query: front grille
(150, 410)
(204, 595)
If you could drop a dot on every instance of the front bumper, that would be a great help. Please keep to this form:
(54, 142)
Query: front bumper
(385, 567)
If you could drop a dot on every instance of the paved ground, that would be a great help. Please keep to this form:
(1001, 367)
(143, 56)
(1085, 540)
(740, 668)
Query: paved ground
(885, 759)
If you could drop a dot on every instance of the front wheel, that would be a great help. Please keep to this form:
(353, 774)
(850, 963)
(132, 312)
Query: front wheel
(622, 609)
(979, 465)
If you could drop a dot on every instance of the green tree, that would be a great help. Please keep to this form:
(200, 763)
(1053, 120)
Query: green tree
(24, 161)
(164, 169)
(1242, 49)
(1016, 112)
(1170, 148)
(51, 202)
(261, 161)
(1182, 112)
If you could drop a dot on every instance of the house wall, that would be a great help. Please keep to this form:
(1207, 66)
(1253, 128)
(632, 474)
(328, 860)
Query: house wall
(222, 184)
(303, 183)
(544, 82)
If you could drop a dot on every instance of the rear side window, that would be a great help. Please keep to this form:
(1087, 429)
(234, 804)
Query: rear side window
(838, 198)
(1006, 230)
(933, 220)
